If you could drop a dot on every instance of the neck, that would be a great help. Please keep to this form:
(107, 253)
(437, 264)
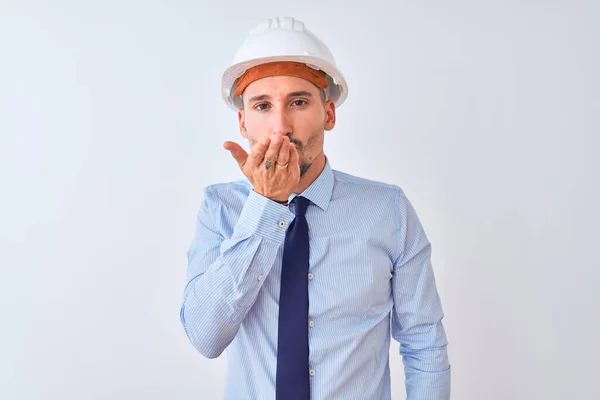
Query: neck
(313, 173)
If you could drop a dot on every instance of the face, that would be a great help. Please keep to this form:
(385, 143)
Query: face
(287, 106)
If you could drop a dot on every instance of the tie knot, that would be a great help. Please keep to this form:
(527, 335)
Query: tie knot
(301, 205)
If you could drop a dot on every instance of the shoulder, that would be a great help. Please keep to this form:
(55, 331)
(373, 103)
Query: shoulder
(348, 181)
(227, 192)
(241, 185)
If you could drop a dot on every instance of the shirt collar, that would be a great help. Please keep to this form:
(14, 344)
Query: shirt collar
(320, 190)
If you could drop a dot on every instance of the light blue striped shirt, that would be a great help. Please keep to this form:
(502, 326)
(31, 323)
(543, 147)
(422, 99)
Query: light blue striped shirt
(370, 278)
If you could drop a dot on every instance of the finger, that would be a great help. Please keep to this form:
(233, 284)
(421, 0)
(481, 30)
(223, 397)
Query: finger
(284, 152)
(294, 157)
(259, 149)
(238, 153)
(273, 150)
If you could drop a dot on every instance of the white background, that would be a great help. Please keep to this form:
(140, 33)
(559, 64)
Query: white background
(486, 113)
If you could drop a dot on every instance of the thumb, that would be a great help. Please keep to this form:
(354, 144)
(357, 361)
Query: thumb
(237, 152)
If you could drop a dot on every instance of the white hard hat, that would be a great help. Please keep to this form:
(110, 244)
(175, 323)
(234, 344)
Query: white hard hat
(283, 39)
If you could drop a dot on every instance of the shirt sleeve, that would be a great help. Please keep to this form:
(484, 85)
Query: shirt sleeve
(225, 274)
(417, 312)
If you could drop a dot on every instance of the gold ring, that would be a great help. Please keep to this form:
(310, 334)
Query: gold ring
(281, 166)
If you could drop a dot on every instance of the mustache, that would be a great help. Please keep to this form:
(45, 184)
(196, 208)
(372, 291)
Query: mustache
(296, 142)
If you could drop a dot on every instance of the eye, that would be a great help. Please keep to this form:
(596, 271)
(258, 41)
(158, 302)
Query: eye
(299, 103)
(261, 106)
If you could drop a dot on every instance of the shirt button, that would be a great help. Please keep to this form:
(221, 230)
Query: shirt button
(311, 372)
(310, 276)
(260, 277)
(281, 224)
(311, 323)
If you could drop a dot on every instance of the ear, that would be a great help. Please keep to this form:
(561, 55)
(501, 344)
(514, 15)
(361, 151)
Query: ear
(242, 123)
(329, 115)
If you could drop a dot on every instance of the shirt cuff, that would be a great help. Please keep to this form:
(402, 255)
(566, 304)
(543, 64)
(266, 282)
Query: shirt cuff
(264, 217)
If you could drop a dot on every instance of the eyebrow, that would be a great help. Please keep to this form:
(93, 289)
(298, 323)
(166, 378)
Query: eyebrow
(292, 94)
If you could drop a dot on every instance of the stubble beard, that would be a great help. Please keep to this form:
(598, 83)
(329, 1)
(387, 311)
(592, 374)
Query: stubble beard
(311, 143)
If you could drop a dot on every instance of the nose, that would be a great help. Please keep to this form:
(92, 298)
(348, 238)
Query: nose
(282, 124)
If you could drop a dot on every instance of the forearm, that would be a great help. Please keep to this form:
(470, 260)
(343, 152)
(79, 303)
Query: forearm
(423, 348)
(423, 343)
(427, 373)
(217, 301)
(225, 281)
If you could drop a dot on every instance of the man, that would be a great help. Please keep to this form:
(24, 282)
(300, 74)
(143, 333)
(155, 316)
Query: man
(299, 270)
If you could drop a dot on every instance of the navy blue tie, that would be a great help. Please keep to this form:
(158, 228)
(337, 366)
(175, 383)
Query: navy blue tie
(292, 378)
